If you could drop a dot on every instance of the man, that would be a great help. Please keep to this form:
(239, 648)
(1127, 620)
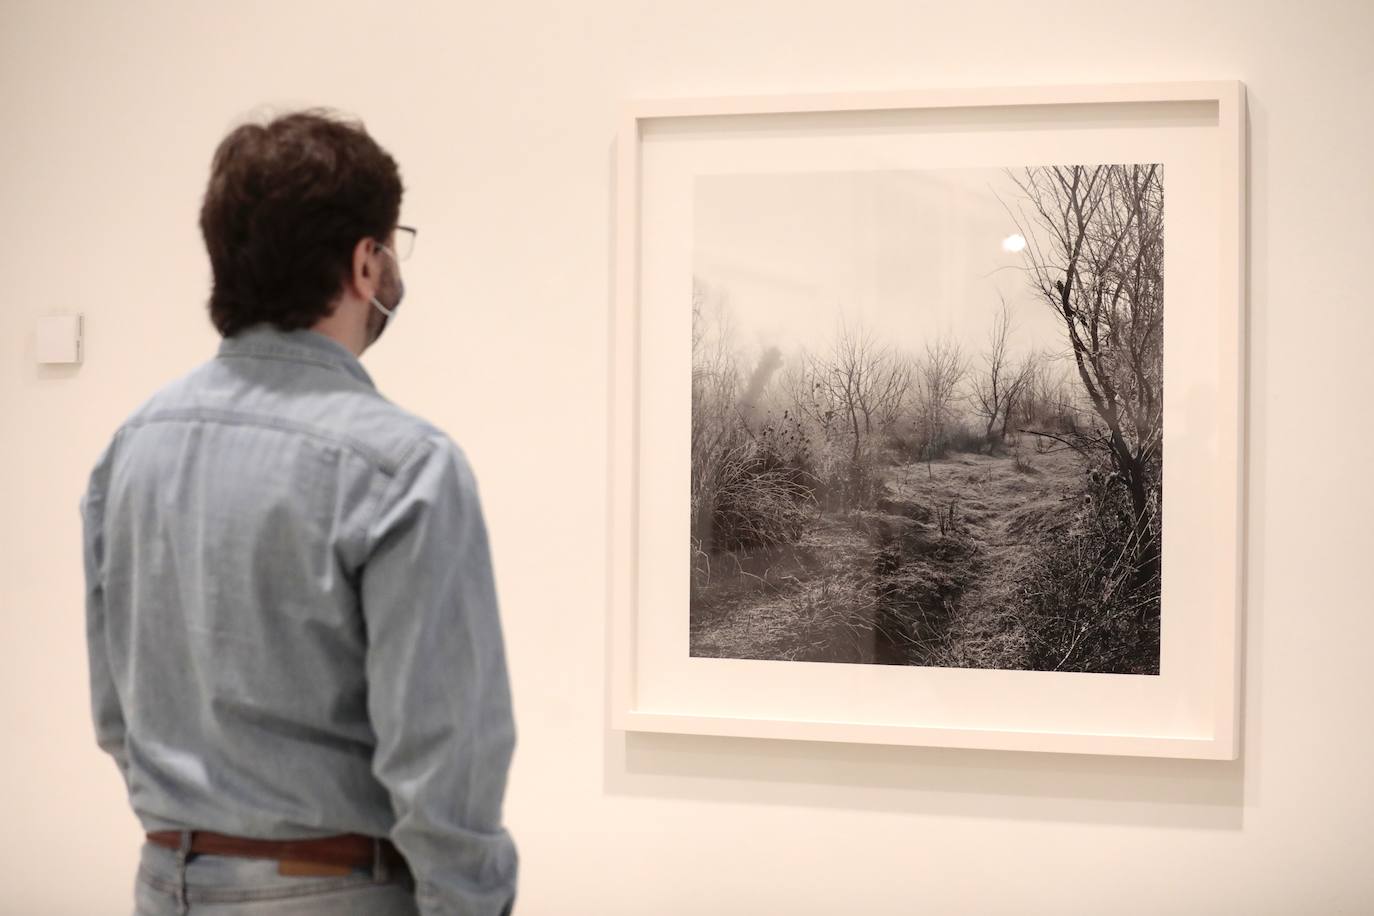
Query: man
(295, 654)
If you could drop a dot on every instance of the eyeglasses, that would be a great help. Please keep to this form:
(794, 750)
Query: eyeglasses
(405, 241)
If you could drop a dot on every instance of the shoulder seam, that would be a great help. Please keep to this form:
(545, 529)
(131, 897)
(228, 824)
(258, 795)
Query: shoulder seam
(235, 418)
(383, 497)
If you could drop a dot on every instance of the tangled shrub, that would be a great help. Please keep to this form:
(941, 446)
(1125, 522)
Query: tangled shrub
(755, 491)
(1086, 606)
(760, 497)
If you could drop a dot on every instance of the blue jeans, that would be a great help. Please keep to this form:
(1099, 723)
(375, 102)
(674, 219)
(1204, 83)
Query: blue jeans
(175, 883)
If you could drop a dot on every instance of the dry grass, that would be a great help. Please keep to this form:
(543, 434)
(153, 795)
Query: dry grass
(959, 563)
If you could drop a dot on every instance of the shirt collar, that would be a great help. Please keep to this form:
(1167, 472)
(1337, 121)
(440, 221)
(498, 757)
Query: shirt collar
(303, 344)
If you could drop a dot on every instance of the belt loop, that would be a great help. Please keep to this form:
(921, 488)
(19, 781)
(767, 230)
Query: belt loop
(183, 853)
(380, 872)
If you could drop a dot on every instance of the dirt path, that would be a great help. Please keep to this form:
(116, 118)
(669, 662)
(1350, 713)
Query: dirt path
(1001, 506)
(957, 535)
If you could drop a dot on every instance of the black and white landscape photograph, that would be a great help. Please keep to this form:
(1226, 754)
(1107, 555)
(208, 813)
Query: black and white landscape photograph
(927, 417)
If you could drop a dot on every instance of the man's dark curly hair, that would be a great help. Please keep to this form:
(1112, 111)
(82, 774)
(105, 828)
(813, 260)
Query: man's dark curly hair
(287, 203)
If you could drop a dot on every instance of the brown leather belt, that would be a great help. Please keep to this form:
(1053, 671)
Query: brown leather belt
(328, 855)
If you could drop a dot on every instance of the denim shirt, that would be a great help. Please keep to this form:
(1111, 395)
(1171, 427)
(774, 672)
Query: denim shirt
(292, 625)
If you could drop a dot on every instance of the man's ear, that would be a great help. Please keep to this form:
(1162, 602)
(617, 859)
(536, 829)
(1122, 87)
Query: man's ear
(364, 278)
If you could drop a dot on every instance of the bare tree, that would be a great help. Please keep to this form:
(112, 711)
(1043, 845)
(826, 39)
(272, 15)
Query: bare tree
(995, 391)
(1039, 402)
(1098, 262)
(892, 389)
(807, 396)
(938, 377)
(1021, 380)
(864, 382)
(1049, 397)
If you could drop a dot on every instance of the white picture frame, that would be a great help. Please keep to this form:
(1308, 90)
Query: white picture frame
(1192, 709)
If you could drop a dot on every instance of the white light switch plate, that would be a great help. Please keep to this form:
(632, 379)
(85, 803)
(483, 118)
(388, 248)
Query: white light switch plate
(59, 339)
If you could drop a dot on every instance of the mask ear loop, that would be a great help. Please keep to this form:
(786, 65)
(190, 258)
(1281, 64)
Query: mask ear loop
(375, 301)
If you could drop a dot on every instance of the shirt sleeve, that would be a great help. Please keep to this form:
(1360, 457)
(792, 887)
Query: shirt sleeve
(438, 688)
(106, 711)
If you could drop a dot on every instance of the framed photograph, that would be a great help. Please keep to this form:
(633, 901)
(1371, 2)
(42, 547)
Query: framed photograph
(927, 415)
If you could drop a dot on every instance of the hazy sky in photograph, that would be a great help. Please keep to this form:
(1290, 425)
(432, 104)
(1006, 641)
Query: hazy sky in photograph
(913, 254)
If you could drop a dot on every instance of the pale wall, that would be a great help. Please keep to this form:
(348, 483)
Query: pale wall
(502, 116)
